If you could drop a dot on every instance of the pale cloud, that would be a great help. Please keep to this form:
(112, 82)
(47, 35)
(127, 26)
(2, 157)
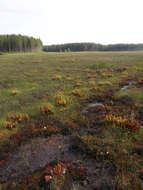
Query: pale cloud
(62, 21)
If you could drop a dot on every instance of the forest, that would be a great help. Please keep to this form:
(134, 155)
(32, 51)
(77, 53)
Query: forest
(92, 47)
(20, 43)
(16, 43)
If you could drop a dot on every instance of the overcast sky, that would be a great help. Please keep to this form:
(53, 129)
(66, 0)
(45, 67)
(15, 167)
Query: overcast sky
(63, 21)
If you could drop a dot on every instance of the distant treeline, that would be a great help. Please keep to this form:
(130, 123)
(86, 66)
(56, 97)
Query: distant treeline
(92, 47)
(10, 43)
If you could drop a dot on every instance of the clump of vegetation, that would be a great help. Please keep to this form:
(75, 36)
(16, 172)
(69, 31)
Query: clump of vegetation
(18, 117)
(61, 99)
(107, 74)
(14, 92)
(77, 92)
(91, 76)
(104, 83)
(57, 77)
(69, 78)
(80, 92)
(48, 109)
(14, 119)
(78, 83)
(92, 83)
(140, 81)
(123, 122)
(10, 125)
(62, 175)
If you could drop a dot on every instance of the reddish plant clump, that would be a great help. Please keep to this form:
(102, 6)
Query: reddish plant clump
(123, 122)
(2, 162)
(77, 173)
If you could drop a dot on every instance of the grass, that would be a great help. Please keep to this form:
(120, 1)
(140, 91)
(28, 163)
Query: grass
(56, 86)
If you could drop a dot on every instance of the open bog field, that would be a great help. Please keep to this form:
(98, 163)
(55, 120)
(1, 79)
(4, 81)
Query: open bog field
(83, 110)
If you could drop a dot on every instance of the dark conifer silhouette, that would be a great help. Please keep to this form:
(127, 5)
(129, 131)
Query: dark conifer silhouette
(10, 43)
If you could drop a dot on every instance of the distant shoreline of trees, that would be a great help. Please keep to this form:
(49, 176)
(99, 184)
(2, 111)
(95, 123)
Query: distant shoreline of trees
(19, 43)
(92, 47)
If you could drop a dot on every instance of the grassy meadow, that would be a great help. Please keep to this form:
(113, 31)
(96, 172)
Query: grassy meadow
(52, 89)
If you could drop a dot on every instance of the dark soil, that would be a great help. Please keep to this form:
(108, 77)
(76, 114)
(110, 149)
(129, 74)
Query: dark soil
(39, 152)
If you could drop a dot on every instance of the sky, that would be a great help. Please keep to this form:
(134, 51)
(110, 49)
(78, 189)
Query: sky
(67, 21)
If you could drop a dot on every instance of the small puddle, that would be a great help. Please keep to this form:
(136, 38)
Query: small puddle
(131, 83)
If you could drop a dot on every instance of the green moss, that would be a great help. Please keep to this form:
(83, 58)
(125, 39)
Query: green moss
(135, 94)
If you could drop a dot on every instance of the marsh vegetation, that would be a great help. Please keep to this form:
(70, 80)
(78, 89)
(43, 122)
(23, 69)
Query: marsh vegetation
(88, 105)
